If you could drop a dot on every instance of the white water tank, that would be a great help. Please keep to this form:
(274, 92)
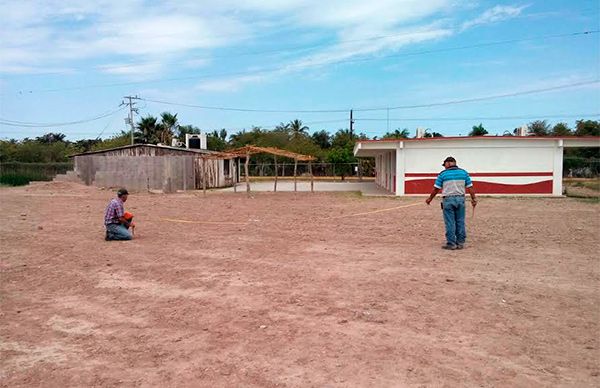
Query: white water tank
(195, 141)
(522, 131)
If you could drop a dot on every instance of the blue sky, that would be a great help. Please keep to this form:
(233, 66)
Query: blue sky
(66, 61)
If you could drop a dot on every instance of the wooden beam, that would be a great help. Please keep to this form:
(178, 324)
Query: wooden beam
(295, 170)
(312, 178)
(204, 176)
(234, 177)
(247, 172)
(275, 184)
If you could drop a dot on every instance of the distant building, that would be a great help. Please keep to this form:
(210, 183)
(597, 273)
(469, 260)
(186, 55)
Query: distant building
(498, 165)
(154, 167)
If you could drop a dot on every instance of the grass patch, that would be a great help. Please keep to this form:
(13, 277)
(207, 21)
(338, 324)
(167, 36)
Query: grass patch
(19, 174)
(21, 179)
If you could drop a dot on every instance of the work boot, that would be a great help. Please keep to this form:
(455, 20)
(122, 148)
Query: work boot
(460, 246)
(449, 247)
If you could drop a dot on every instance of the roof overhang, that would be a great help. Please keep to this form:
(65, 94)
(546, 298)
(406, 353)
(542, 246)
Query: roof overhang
(370, 148)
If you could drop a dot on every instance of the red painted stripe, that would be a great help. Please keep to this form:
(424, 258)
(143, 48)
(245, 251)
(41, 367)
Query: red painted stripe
(424, 186)
(430, 174)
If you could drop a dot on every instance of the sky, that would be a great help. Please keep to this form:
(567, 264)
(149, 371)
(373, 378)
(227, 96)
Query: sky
(446, 65)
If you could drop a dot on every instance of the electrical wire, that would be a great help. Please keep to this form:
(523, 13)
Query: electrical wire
(29, 124)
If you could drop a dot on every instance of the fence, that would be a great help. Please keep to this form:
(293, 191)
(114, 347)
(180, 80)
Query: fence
(577, 167)
(359, 170)
(17, 173)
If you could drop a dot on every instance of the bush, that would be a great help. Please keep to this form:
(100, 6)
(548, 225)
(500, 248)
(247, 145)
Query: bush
(20, 179)
(17, 174)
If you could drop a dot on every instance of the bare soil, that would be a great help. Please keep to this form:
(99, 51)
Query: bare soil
(281, 290)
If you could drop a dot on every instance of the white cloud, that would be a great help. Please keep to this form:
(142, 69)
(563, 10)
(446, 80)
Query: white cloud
(139, 39)
(493, 15)
(228, 84)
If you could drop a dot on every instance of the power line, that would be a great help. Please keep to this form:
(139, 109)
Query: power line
(485, 98)
(451, 102)
(482, 118)
(301, 65)
(242, 109)
(26, 124)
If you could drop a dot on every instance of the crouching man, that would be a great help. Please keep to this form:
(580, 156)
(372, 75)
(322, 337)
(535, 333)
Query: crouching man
(117, 226)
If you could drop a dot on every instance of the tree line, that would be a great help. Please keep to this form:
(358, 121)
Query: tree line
(336, 147)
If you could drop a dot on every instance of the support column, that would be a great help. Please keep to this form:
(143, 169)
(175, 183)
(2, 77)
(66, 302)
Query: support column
(246, 170)
(400, 168)
(295, 171)
(275, 184)
(557, 170)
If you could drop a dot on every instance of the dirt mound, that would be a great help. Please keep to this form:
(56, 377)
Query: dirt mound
(59, 187)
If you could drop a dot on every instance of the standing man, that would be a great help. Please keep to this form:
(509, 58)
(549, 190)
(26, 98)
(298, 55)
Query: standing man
(114, 218)
(453, 182)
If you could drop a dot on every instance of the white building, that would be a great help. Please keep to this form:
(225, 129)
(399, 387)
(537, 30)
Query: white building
(497, 165)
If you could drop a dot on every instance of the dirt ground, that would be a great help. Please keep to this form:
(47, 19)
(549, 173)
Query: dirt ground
(296, 290)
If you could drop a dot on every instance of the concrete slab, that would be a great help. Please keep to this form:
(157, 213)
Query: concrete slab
(366, 188)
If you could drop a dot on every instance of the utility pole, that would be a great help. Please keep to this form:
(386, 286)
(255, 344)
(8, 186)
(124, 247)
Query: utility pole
(351, 125)
(132, 109)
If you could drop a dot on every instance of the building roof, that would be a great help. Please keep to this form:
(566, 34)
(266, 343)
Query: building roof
(250, 150)
(188, 150)
(364, 148)
(585, 138)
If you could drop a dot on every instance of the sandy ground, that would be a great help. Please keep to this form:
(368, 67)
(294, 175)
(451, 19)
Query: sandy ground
(281, 290)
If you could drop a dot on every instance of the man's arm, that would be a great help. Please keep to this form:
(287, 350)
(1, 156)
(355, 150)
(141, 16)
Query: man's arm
(471, 192)
(434, 192)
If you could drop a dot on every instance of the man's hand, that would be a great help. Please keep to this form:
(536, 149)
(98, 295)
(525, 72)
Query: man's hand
(428, 200)
(473, 202)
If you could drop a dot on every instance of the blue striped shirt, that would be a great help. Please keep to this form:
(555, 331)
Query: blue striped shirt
(453, 181)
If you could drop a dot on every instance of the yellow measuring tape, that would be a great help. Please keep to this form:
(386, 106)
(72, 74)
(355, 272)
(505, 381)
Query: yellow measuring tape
(204, 222)
(327, 218)
(377, 211)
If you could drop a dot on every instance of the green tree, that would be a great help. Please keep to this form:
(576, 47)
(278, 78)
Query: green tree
(322, 139)
(341, 158)
(478, 130)
(297, 128)
(120, 140)
(561, 129)
(149, 130)
(51, 137)
(343, 138)
(215, 140)
(432, 134)
(182, 130)
(397, 134)
(538, 128)
(168, 124)
(587, 128)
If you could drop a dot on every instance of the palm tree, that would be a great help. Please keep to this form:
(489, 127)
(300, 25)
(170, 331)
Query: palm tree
(148, 130)
(167, 126)
(297, 128)
(478, 130)
(397, 134)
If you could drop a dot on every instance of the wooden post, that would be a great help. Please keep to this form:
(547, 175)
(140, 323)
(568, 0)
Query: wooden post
(204, 176)
(312, 181)
(247, 173)
(234, 177)
(360, 170)
(295, 170)
(275, 185)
